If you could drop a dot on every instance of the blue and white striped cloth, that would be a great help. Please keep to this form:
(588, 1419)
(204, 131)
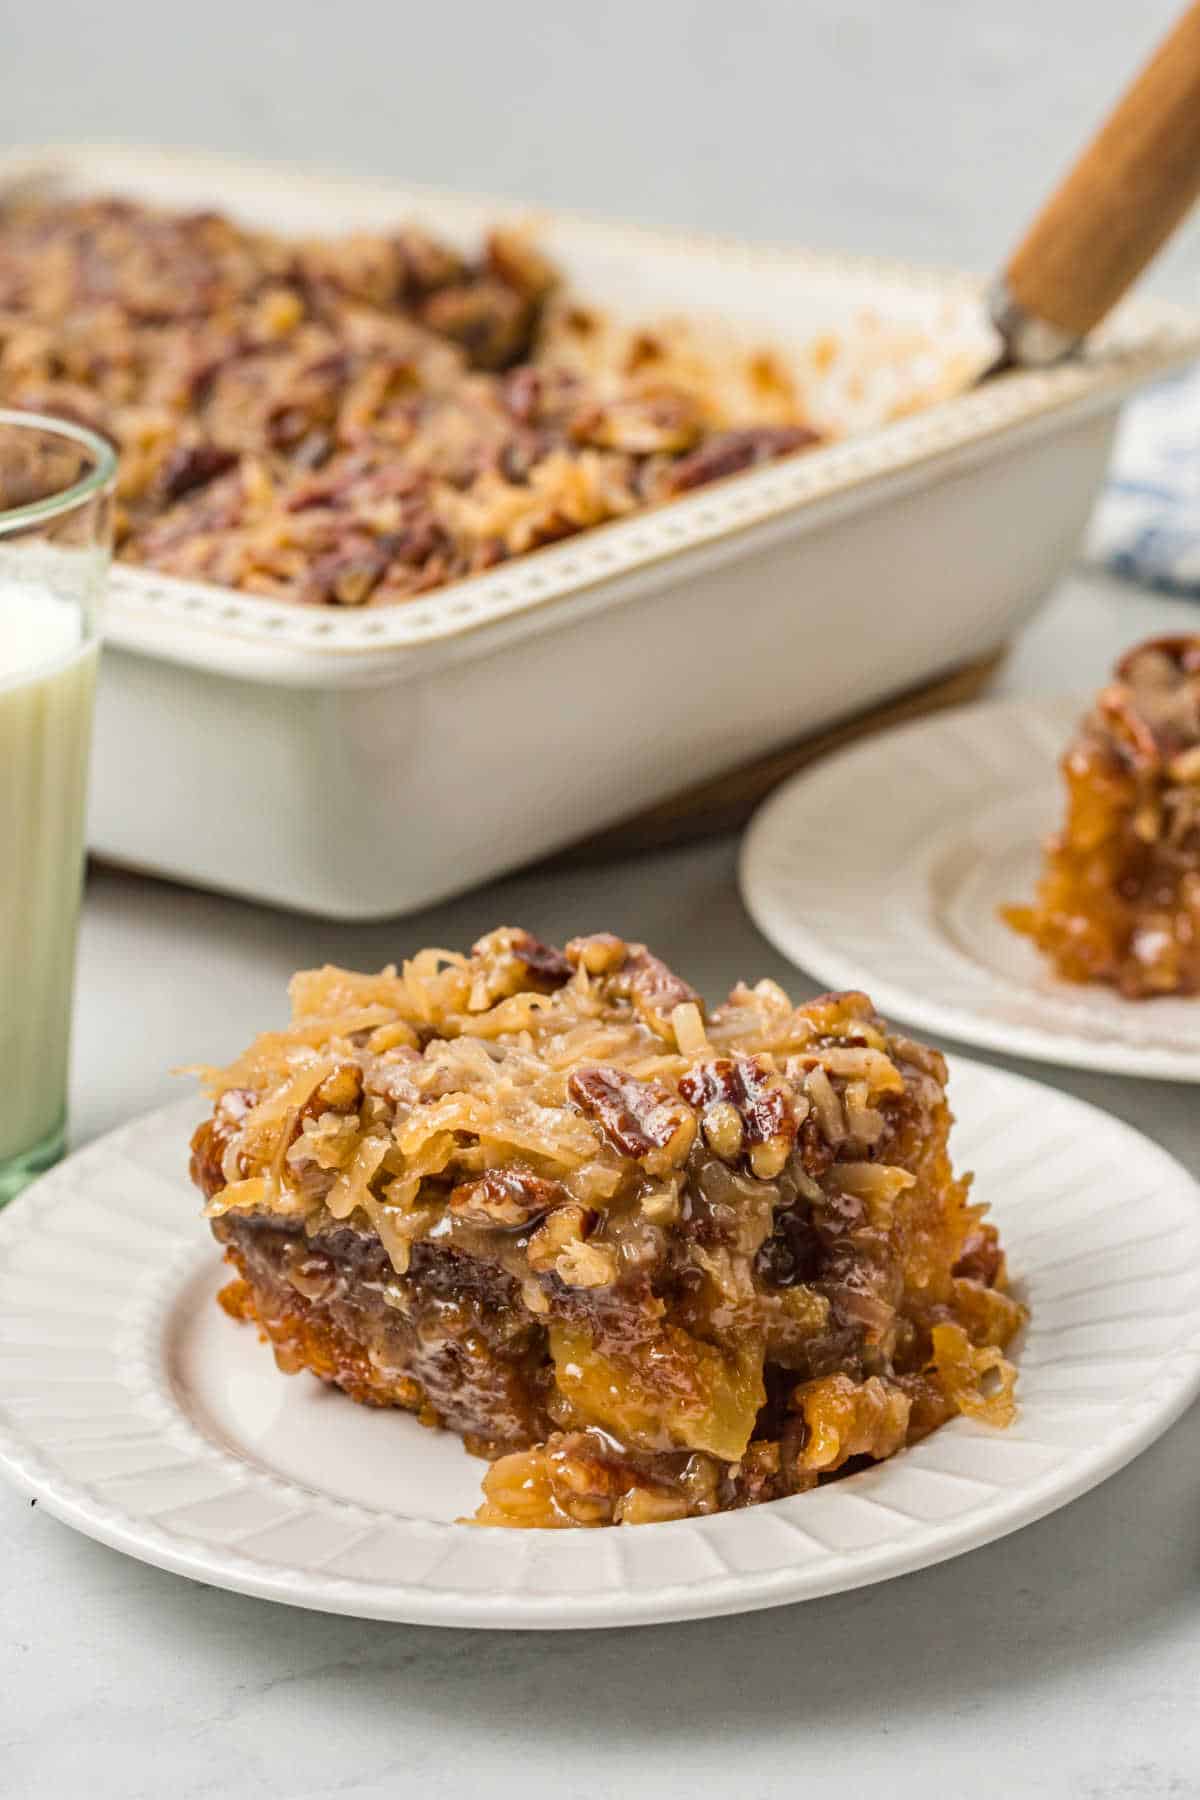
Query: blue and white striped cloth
(1146, 526)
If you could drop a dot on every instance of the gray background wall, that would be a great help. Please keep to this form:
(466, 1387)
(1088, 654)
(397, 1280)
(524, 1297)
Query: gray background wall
(924, 128)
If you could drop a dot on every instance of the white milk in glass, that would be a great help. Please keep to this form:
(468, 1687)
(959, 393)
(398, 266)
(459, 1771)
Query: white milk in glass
(47, 676)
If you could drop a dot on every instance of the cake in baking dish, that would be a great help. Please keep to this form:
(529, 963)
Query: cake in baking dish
(350, 421)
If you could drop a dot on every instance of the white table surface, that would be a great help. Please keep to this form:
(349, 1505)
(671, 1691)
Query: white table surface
(1061, 1661)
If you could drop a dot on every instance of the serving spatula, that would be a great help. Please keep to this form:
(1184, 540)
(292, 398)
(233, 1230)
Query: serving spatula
(1131, 187)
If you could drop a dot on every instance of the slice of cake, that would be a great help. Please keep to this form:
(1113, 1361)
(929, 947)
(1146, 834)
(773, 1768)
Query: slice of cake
(649, 1262)
(1119, 896)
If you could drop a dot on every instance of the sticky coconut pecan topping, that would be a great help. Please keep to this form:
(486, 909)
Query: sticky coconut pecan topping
(650, 1261)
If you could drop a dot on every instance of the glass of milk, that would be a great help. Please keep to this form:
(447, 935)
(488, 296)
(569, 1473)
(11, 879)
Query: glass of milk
(56, 482)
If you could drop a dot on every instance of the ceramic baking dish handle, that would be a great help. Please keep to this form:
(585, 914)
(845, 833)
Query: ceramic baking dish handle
(1129, 190)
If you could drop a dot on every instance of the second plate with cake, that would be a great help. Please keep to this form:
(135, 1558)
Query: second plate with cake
(951, 820)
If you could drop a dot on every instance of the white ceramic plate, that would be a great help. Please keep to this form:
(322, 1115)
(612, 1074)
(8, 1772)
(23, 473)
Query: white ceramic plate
(885, 867)
(137, 1412)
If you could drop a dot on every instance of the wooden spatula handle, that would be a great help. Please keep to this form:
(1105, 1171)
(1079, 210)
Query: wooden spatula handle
(1123, 198)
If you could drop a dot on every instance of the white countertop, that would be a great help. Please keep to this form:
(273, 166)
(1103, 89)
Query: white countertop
(1061, 1661)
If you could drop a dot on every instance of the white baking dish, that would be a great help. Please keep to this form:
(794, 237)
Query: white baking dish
(359, 764)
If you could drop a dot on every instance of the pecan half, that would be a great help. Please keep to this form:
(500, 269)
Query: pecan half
(641, 1119)
(505, 1197)
(761, 1100)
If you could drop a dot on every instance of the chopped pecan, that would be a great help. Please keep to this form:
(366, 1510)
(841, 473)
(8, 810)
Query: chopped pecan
(1181, 651)
(548, 966)
(513, 961)
(340, 1092)
(522, 393)
(816, 1154)
(582, 1265)
(211, 1139)
(599, 954)
(760, 1477)
(331, 487)
(204, 1164)
(191, 466)
(981, 1258)
(1185, 766)
(346, 577)
(425, 263)
(842, 1016)
(314, 449)
(581, 321)
(506, 1197)
(640, 1119)
(654, 989)
(729, 452)
(514, 260)
(1150, 715)
(761, 1100)
(644, 350)
(393, 1078)
(565, 1226)
(723, 1129)
(1130, 734)
(491, 320)
(518, 458)
(308, 1271)
(564, 1246)
(420, 543)
(845, 1418)
(662, 419)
